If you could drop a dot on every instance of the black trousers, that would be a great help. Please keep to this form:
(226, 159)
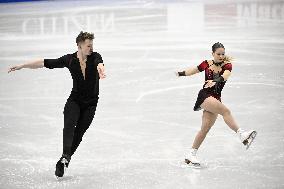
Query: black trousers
(77, 119)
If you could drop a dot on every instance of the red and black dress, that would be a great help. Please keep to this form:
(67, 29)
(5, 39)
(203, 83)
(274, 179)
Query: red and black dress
(214, 91)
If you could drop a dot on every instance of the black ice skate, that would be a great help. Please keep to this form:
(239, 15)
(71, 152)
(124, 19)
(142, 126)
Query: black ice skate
(61, 165)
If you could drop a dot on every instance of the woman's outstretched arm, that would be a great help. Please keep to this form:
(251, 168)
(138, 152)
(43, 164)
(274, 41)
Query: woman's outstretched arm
(188, 72)
(31, 65)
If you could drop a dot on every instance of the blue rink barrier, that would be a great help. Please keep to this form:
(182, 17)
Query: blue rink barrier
(15, 1)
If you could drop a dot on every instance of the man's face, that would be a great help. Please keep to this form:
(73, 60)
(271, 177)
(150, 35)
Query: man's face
(86, 47)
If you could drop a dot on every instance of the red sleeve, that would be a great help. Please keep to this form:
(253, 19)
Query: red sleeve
(228, 67)
(201, 67)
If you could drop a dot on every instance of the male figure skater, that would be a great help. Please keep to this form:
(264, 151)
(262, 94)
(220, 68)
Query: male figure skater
(86, 68)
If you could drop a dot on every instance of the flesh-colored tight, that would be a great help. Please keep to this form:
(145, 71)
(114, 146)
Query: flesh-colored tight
(212, 107)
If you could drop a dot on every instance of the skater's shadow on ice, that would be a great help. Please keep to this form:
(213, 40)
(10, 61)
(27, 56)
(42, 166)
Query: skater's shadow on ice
(183, 165)
(65, 178)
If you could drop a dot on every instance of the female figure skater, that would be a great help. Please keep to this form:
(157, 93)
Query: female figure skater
(86, 68)
(217, 72)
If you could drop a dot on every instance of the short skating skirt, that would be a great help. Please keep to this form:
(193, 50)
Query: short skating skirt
(202, 95)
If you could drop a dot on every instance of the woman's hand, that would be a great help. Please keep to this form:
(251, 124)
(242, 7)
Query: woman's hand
(14, 68)
(209, 84)
(101, 70)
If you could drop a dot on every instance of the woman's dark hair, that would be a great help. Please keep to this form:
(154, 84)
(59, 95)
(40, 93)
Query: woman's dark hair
(220, 45)
(216, 46)
(83, 36)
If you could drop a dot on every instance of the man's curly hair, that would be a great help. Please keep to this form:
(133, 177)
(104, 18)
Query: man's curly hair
(83, 36)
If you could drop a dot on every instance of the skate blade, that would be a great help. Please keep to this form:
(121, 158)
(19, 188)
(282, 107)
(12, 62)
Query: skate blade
(190, 164)
(58, 178)
(250, 139)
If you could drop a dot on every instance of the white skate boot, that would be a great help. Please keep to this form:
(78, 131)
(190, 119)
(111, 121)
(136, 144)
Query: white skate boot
(191, 158)
(246, 137)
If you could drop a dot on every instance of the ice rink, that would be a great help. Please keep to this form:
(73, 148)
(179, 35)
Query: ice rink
(145, 118)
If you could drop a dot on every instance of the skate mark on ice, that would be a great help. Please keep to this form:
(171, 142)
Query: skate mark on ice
(23, 165)
(170, 123)
(65, 178)
(17, 171)
(117, 134)
(163, 90)
(151, 92)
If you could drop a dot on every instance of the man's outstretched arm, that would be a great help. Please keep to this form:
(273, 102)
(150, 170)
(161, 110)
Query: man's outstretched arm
(31, 65)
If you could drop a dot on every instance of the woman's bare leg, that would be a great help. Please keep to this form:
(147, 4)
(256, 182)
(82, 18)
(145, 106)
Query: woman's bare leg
(208, 120)
(215, 106)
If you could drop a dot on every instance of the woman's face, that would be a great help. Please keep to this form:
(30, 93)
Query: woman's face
(219, 55)
(86, 47)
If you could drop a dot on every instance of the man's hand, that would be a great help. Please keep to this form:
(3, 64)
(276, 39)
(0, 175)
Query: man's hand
(101, 70)
(14, 68)
(31, 65)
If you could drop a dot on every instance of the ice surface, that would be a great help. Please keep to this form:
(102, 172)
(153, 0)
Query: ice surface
(144, 120)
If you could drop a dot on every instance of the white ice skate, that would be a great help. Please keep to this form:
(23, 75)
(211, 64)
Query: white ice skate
(191, 158)
(247, 137)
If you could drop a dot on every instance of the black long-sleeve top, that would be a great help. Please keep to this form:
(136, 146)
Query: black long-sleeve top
(84, 90)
